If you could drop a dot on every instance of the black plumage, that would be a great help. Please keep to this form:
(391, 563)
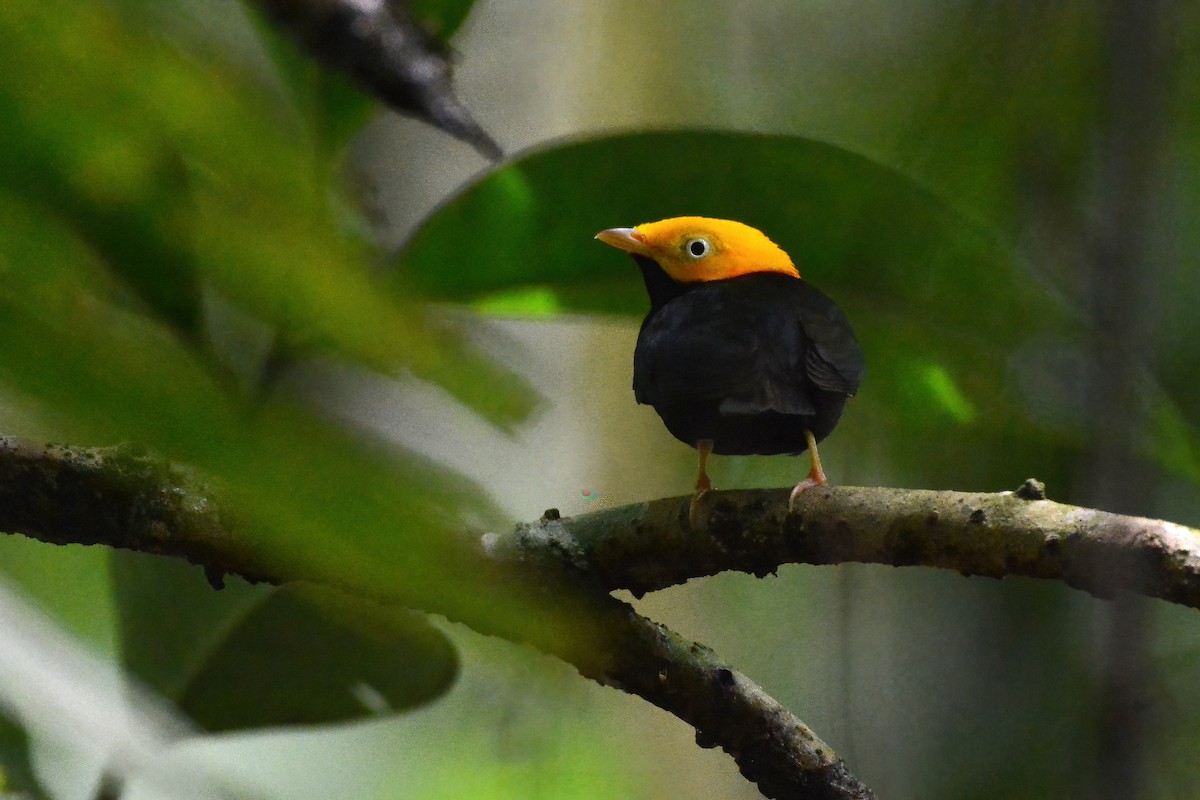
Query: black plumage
(749, 363)
(738, 354)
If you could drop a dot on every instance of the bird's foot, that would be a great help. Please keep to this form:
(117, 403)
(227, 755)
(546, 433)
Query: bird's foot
(816, 474)
(703, 482)
(802, 487)
(695, 508)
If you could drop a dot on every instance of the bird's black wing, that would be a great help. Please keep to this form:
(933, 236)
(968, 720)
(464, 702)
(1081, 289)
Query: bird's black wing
(833, 360)
(804, 343)
(753, 344)
(699, 348)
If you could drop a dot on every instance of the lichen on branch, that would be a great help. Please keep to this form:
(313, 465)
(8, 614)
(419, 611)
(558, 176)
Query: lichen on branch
(651, 545)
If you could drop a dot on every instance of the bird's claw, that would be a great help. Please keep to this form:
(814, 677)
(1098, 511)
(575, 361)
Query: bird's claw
(802, 487)
(694, 508)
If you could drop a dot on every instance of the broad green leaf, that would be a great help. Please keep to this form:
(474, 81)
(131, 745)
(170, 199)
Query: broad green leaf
(308, 656)
(252, 656)
(963, 339)
(307, 498)
(170, 619)
(173, 170)
(69, 583)
(847, 221)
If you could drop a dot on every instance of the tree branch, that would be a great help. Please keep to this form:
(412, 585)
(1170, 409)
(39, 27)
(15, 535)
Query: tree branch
(650, 545)
(116, 497)
(120, 498)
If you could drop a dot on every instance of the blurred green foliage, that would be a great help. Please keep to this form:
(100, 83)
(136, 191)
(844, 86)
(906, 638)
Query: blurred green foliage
(441, 17)
(16, 774)
(139, 177)
(147, 180)
(254, 656)
(196, 171)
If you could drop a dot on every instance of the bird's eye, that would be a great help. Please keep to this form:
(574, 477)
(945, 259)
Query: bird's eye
(698, 248)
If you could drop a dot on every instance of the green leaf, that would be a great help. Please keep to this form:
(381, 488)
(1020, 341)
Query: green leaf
(16, 773)
(847, 221)
(308, 656)
(170, 619)
(251, 656)
(69, 583)
(960, 334)
(172, 170)
(308, 498)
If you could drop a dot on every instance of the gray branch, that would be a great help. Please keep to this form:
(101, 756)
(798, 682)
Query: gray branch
(650, 545)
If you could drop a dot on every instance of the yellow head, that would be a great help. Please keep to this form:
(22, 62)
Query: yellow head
(691, 249)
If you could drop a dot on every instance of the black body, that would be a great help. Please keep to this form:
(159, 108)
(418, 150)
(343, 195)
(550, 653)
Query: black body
(748, 362)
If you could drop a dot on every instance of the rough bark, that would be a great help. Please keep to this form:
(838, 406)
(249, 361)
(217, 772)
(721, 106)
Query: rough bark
(649, 546)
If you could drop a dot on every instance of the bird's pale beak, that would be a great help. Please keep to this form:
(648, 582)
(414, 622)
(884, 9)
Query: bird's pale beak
(628, 239)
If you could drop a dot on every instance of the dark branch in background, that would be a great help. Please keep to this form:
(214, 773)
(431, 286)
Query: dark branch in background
(123, 499)
(771, 746)
(381, 46)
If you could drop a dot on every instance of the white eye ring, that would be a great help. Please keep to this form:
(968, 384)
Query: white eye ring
(697, 248)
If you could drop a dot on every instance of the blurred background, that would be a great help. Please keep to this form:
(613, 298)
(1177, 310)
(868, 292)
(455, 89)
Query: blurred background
(1003, 197)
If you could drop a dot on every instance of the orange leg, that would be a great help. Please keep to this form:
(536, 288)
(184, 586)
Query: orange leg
(703, 448)
(703, 484)
(816, 475)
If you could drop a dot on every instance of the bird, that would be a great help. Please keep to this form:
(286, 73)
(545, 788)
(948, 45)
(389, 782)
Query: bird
(738, 354)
